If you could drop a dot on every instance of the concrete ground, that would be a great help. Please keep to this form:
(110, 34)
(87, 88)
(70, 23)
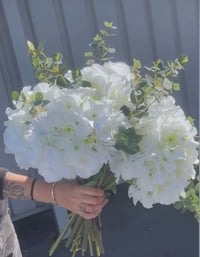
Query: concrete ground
(128, 231)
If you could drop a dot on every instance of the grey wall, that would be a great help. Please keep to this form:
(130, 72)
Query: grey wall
(147, 29)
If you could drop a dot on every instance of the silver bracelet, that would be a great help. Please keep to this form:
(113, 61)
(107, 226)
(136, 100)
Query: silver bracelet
(53, 192)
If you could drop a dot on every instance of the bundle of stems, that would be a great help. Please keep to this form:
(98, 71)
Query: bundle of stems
(86, 235)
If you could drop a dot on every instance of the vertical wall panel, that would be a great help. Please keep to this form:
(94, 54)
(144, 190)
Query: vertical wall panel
(138, 29)
(45, 24)
(161, 11)
(64, 37)
(80, 37)
(188, 29)
(18, 38)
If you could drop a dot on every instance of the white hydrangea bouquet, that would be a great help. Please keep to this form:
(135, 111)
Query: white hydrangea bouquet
(105, 124)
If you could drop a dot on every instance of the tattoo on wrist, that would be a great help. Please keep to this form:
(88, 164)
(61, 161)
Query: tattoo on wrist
(10, 189)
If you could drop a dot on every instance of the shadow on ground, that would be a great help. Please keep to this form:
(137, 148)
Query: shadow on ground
(128, 231)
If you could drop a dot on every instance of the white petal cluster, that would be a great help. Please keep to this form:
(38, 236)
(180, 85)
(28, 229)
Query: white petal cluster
(73, 134)
(69, 136)
(60, 141)
(112, 81)
(160, 171)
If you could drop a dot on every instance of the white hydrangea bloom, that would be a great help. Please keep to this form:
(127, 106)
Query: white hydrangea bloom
(120, 68)
(120, 163)
(16, 138)
(61, 140)
(73, 134)
(112, 81)
(99, 79)
(69, 135)
(164, 165)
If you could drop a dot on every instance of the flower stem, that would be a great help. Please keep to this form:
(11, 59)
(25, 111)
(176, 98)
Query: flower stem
(62, 234)
(86, 235)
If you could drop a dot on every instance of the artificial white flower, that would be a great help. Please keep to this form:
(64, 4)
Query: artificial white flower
(163, 166)
(112, 81)
(72, 133)
(120, 68)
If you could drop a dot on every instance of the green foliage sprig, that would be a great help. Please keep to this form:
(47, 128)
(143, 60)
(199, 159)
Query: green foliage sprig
(153, 85)
(36, 102)
(191, 201)
(148, 88)
(48, 69)
(101, 52)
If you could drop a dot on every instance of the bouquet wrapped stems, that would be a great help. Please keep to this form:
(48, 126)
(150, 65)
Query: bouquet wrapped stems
(86, 235)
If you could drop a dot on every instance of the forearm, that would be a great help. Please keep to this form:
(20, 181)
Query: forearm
(67, 194)
(16, 186)
(19, 187)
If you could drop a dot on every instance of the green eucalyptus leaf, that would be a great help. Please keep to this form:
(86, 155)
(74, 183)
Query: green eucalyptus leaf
(111, 50)
(40, 48)
(105, 33)
(159, 65)
(88, 54)
(136, 64)
(127, 140)
(57, 57)
(176, 86)
(63, 68)
(33, 111)
(140, 111)
(45, 102)
(35, 62)
(41, 76)
(85, 83)
(125, 110)
(61, 81)
(38, 97)
(137, 96)
(76, 73)
(108, 24)
(15, 95)
(183, 59)
(167, 73)
(93, 44)
(30, 46)
(178, 205)
(97, 38)
(23, 97)
(101, 51)
(90, 62)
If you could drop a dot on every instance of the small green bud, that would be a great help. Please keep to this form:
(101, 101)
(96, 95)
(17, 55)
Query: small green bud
(176, 86)
(30, 46)
(183, 59)
(15, 95)
(136, 64)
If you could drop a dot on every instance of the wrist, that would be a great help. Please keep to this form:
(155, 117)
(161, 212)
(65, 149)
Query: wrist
(42, 191)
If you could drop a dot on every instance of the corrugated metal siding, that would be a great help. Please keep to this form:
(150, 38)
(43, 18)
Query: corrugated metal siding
(147, 29)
